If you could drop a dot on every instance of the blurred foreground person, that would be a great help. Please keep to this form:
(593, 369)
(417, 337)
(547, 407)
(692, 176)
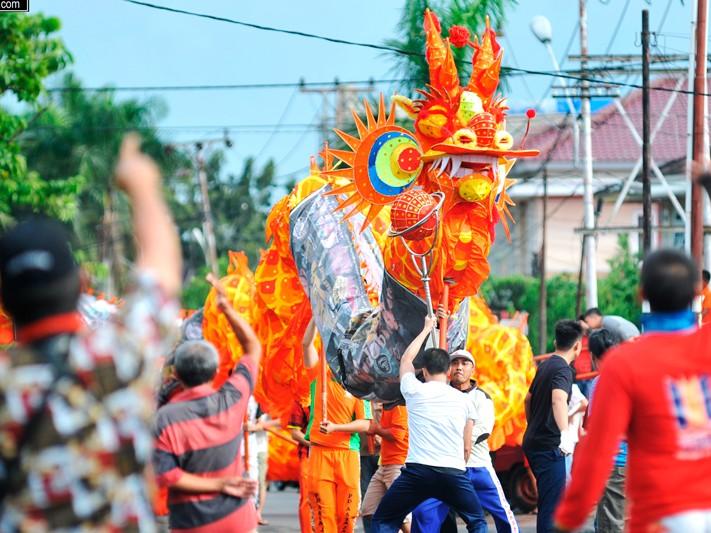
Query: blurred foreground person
(76, 406)
(657, 392)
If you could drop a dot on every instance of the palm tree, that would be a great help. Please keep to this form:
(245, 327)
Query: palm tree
(411, 65)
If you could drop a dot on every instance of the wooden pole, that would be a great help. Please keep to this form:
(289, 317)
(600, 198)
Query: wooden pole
(646, 148)
(542, 291)
(246, 443)
(324, 387)
(697, 201)
(443, 322)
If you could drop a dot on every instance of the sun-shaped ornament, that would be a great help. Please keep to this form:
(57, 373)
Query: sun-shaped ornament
(383, 161)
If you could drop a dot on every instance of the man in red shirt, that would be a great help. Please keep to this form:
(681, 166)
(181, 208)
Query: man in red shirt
(199, 434)
(656, 392)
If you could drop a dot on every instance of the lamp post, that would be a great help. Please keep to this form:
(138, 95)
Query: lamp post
(542, 29)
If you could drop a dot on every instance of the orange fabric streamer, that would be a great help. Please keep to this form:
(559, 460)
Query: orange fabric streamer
(240, 287)
(283, 460)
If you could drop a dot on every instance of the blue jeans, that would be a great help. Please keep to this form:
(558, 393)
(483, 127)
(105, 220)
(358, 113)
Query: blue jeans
(549, 469)
(585, 387)
(430, 514)
(418, 483)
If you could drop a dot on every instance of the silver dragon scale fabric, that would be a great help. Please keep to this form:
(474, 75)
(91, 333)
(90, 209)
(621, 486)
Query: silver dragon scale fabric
(363, 344)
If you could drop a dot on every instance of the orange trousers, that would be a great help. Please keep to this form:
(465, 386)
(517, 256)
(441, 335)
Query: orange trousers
(334, 488)
(305, 516)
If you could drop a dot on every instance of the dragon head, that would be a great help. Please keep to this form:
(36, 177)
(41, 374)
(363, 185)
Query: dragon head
(467, 150)
(459, 146)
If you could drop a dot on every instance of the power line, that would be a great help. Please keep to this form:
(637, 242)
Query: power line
(229, 86)
(508, 70)
(246, 128)
(276, 129)
(617, 27)
(276, 30)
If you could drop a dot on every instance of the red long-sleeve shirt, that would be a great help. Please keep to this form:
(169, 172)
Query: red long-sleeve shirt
(657, 391)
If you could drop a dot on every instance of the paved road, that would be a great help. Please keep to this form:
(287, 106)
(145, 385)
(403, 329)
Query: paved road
(281, 513)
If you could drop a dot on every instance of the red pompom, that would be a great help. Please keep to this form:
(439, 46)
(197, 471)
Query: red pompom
(531, 113)
(459, 36)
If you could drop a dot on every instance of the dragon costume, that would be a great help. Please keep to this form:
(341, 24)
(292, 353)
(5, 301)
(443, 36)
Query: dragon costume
(331, 255)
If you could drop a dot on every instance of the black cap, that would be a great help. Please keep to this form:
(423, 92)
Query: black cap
(33, 253)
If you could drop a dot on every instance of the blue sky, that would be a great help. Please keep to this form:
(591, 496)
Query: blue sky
(116, 43)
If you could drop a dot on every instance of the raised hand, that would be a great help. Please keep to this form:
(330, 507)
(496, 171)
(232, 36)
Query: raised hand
(442, 312)
(222, 301)
(136, 172)
(430, 322)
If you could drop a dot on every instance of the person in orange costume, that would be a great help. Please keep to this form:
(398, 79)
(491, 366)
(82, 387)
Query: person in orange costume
(393, 451)
(334, 454)
(298, 422)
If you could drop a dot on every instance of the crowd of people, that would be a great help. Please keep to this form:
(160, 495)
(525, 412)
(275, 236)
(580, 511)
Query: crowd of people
(82, 443)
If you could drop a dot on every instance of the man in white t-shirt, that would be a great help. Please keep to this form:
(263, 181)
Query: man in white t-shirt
(429, 515)
(257, 425)
(440, 420)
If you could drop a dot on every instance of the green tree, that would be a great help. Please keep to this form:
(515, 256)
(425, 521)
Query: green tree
(240, 205)
(618, 291)
(412, 66)
(79, 133)
(617, 294)
(29, 52)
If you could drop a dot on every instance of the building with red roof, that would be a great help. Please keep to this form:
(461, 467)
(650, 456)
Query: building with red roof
(616, 156)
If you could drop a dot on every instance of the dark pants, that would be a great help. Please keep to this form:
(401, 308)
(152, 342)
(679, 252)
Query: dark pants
(416, 484)
(549, 469)
(368, 466)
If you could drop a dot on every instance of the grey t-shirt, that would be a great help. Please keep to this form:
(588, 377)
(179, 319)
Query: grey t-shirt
(621, 326)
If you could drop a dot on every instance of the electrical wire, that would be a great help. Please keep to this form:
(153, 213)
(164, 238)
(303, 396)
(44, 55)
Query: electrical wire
(231, 86)
(284, 113)
(617, 27)
(507, 70)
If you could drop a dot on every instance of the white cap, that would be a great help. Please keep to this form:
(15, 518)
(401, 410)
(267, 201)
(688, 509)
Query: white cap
(462, 354)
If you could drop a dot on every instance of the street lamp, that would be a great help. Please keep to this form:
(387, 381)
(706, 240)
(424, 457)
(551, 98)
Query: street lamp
(542, 29)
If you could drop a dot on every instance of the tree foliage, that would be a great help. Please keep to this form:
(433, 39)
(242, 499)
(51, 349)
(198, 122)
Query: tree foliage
(617, 294)
(79, 134)
(29, 52)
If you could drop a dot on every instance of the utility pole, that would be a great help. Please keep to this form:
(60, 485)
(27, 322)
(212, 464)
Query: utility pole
(589, 213)
(646, 148)
(345, 96)
(543, 290)
(207, 224)
(699, 154)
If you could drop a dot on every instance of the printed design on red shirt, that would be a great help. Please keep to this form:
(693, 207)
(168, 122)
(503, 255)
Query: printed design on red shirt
(691, 404)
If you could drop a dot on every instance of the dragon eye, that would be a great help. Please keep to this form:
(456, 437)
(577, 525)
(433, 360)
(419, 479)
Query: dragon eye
(432, 122)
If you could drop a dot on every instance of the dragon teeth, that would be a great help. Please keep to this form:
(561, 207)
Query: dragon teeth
(456, 165)
(443, 164)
